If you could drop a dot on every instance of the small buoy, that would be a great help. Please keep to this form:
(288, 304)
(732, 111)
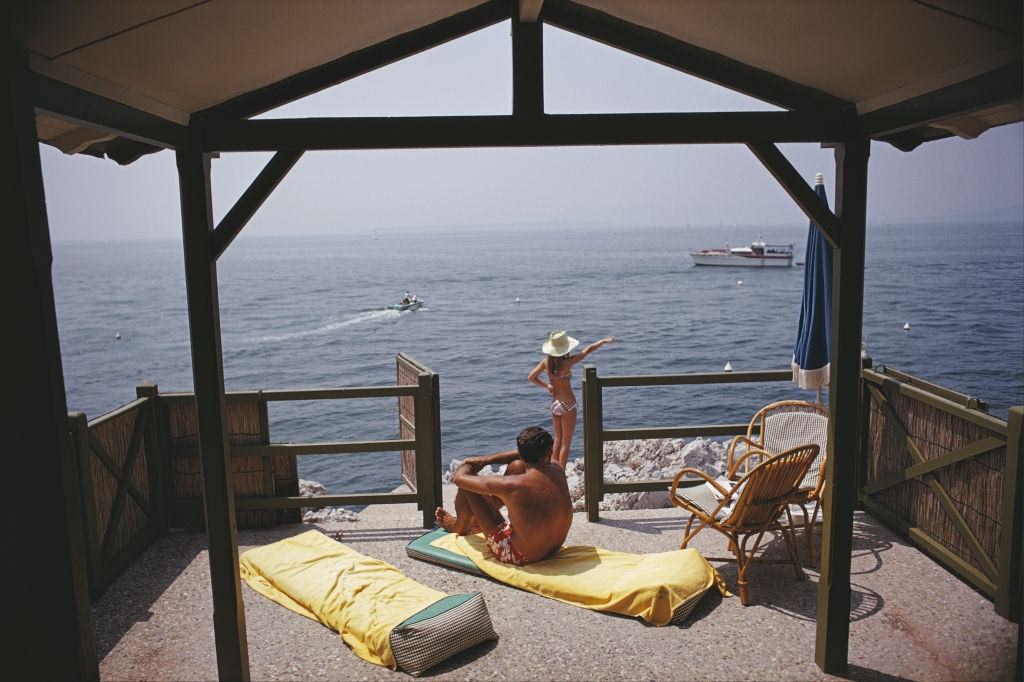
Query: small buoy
(739, 282)
(117, 335)
(728, 367)
(906, 327)
(517, 299)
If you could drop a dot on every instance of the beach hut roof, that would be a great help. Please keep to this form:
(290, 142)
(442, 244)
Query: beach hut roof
(911, 70)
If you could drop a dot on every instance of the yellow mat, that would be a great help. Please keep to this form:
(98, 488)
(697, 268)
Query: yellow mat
(648, 586)
(359, 597)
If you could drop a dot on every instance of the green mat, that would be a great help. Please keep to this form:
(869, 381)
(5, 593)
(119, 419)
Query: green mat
(421, 549)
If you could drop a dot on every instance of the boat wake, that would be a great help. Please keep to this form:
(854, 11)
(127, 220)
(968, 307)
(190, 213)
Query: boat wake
(351, 320)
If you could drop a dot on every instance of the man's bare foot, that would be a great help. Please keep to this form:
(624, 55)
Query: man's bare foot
(447, 521)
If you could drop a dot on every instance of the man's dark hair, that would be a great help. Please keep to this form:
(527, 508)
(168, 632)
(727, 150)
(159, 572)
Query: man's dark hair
(534, 443)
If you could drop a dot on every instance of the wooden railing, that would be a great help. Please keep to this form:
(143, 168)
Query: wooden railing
(118, 469)
(947, 475)
(424, 446)
(139, 473)
(595, 435)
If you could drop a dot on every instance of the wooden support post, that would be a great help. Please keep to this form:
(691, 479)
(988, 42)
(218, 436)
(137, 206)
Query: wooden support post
(865, 429)
(47, 610)
(425, 473)
(1008, 585)
(593, 447)
(435, 411)
(840, 493)
(208, 378)
(79, 426)
(154, 454)
(527, 65)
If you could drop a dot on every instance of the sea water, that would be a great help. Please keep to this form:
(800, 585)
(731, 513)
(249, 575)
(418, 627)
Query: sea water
(299, 312)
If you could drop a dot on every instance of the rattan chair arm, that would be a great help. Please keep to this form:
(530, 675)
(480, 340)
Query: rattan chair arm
(754, 451)
(730, 465)
(691, 470)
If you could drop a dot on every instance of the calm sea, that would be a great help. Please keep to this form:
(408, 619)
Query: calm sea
(309, 312)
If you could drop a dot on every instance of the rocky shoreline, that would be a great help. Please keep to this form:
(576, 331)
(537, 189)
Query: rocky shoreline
(635, 460)
(624, 461)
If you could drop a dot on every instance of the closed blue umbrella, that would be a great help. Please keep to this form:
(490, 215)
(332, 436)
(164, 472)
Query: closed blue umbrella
(811, 352)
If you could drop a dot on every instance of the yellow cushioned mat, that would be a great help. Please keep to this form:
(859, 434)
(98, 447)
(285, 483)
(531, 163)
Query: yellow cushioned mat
(359, 597)
(648, 586)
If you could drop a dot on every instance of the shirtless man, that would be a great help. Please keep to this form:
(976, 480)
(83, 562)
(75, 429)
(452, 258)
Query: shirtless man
(534, 491)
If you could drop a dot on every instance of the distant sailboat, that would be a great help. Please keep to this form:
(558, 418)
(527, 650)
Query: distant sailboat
(375, 234)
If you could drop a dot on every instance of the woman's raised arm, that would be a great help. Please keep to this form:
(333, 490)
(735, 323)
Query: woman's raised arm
(592, 347)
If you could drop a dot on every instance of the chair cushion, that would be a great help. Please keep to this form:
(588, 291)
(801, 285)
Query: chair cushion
(786, 430)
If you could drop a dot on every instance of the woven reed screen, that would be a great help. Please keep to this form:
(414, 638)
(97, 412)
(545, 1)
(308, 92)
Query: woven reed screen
(114, 436)
(407, 374)
(975, 485)
(251, 476)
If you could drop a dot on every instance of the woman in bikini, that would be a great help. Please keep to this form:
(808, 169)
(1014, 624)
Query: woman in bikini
(558, 365)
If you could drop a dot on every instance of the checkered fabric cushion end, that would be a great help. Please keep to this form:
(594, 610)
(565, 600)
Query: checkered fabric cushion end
(422, 645)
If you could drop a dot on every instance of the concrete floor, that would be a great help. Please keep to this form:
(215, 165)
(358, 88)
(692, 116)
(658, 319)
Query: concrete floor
(911, 619)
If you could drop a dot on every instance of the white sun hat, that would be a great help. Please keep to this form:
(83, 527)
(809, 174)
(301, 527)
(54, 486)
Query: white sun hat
(558, 344)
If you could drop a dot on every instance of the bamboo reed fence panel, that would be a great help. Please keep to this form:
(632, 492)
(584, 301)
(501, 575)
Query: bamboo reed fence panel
(407, 375)
(975, 485)
(114, 436)
(245, 426)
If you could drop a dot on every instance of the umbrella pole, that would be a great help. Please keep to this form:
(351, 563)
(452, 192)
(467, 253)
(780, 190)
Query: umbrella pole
(819, 396)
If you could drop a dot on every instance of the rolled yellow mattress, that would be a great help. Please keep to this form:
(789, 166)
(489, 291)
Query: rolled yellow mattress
(370, 603)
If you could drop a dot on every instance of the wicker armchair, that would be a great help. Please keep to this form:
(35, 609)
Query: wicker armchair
(779, 427)
(752, 506)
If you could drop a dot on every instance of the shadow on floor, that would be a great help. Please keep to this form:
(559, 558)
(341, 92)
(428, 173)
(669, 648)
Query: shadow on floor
(860, 674)
(130, 597)
(464, 658)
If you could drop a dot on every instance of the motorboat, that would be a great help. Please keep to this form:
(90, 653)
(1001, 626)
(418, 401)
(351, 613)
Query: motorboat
(758, 255)
(414, 304)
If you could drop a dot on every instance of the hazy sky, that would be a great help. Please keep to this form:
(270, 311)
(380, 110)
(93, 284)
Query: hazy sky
(335, 192)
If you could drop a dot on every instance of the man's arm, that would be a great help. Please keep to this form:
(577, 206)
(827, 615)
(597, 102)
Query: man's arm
(466, 478)
(497, 459)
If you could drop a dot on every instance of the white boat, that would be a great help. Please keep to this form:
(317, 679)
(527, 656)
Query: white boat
(409, 305)
(757, 255)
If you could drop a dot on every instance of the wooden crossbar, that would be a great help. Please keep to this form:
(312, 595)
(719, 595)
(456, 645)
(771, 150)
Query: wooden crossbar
(918, 470)
(945, 501)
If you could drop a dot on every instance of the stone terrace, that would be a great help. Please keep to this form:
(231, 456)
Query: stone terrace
(911, 618)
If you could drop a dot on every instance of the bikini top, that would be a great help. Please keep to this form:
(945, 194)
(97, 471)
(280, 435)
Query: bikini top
(565, 374)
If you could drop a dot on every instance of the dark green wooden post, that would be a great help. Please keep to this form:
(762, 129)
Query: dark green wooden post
(593, 448)
(527, 65)
(435, 446)
(425, 473)
(155, 456)
(865, 429)
(48, 631)
(79, 426)
(1008, 594)
(840, 493)
(208, 379)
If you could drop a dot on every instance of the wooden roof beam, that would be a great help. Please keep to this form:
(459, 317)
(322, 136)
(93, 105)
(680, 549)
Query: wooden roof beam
(359, 62)
(527, 61)
(251, 200)
(798, 189)
(691, 59)
(548, 130)
(69, 103)
(989, 89)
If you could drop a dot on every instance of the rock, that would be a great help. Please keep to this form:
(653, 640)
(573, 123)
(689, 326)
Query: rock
(324, 514)
(635, 460)
(310, 488)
